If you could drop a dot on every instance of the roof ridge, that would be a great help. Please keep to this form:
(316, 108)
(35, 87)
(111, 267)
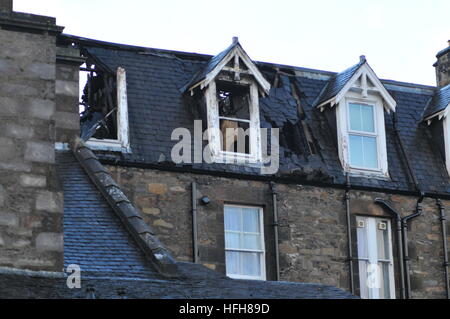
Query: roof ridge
(153, 249)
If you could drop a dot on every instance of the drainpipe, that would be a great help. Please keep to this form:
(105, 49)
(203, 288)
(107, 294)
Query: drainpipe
(398, 222)
(417, 213)
(406, 258)
(275, 228)
(349, 233)
(194, 222)
(444, 241)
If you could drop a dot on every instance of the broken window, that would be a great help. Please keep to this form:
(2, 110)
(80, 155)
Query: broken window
(103, 107)
(99, 103)
(234, 117)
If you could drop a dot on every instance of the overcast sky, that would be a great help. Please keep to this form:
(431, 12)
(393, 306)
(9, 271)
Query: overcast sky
(400, 38)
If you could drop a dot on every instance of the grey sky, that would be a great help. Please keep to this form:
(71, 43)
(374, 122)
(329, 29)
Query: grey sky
(400, 38)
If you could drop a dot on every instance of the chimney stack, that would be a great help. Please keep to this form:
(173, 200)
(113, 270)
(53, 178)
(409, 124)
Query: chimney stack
(6, 6)
(442, 66)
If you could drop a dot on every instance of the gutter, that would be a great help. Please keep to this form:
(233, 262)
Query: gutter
(264, 178)
(194, 223)
(275, 228)
(349, 234)
(444, 245)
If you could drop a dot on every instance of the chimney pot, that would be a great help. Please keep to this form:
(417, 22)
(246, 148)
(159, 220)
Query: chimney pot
(6, 6)
(235, 40)
(362, 58)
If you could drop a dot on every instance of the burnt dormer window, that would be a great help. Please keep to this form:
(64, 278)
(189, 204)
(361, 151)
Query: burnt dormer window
(234, 117)
(231, 85)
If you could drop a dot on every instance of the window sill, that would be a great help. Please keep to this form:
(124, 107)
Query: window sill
(236, 158)
(241, 277)
(107, 145)
(353, 172)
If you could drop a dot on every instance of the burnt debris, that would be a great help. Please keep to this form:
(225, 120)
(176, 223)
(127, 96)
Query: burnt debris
(98, 118)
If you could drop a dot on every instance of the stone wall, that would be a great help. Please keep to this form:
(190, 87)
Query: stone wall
(312, 232)
(31, 202)
(67, 117)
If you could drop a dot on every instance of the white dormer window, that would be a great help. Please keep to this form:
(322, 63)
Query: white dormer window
(232, 86)
(360, 106)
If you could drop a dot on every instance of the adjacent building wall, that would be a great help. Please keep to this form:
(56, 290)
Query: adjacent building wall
(312, 232)
(31, 200)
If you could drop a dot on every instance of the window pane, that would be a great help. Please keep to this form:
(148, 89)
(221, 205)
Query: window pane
(363, 151)
(251, 264)
(364, 289)
(251, 220)
(362, 240)
(385, 289)
(383, 242)
(368, 123)
(370, 152)
(232, 218)
(232, 240)
(251, 241)
(356, 150)
(355, 117)
(361, 118)
(232, 262)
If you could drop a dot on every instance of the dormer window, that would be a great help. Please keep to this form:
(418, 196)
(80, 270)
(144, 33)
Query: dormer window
(362, 136)
(104, 113)
(361, 101)
(232, 86)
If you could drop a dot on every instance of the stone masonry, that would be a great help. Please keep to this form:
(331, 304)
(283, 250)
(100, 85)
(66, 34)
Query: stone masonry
(31, 200)
(312, 232)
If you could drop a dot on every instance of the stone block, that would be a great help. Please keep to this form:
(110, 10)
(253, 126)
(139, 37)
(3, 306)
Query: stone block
(8, 219)
(2, 196)
(8, 150)
(151, 211)
(158, 189)
(8, 106)
(162, 223)
(49, 242)
(42, 109)
(67, 88)
(49, 202)
(19, 131)
(67, 120)
(42, 152)
(39, 70)
(27, 180)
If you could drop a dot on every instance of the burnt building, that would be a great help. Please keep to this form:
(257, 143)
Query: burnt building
(187, 175)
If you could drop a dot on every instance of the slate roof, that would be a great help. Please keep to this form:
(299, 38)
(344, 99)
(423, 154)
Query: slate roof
(337, 82)
(439, 102)
(210, 66)
(157, 107)
(94, 237)
(197, 283)
(114, 266)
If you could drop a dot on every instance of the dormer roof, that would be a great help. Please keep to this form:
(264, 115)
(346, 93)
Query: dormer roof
(358, 77)
(219, 62)
(438, 104)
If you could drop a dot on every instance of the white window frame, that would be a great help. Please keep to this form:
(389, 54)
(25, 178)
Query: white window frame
(446, 127)
(214, 133)
(262, 251)
(343, 125)
(371, 224)
(122, 143)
